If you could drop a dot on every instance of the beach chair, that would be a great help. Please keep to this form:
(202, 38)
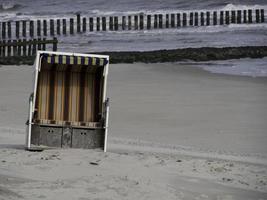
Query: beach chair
(68, 107)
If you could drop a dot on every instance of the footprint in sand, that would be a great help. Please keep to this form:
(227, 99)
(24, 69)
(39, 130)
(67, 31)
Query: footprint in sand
(243, 182)
(227, 179)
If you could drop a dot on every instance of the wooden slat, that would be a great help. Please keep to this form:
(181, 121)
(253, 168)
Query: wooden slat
(44, 91)
(73, 97)
(88, 97)
(52, 86)
(82, 94)
(66, 93)
(59, 92)
(97, 79)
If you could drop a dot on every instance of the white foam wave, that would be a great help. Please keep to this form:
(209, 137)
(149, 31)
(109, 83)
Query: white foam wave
(174, 31)
(169, 11)
(133, 12)
(240, 67)
(242, 7)
(97, 12)
(8, 6)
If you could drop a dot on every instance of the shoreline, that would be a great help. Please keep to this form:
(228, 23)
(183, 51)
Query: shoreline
(162, 56)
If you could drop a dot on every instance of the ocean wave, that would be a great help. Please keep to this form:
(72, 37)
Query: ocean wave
(9, 6)
(186, 30)
(169, 11)
(231, 6)
(99, 12)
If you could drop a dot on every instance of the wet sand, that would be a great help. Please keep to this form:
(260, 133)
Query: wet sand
(182, 105)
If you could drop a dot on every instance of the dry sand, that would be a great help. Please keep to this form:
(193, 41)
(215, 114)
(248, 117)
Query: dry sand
(176, 132)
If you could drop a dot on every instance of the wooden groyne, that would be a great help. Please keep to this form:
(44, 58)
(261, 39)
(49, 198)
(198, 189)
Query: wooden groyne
(80, 24)
(195, 54)
(161, 56)
(25, 48)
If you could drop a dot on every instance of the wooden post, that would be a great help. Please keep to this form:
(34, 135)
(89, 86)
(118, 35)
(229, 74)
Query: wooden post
(44, 44)
(98, 24)
(239, 16)
(136, 22)
(129, 22)
(178, 16)
(38, 28)
(167, 21)
(191, 19)
(30, 49)
(160, 21)
(196, 18)
(116, 23)
(221, 17)
(141, 22)
(4, 49)
(123, 22)
(84, 24)
(227, 17)
(3, 30)
(245, 16)
(39, 45)
(91, 24)
(104, 25)
(19, 47)
(111, 23)
(31, 29)
(0, 48)
(233, 17)
(148, 22)
(15, 50)
(9, 48)
(214, 18)
(202, 20)
(17, 29)
(184, 19)
(78, 23)
(34, 47)
(24, 28)
(207, 18)
(257, 16)
(250, 16)
(71, 26)
(9, 29)
(155, 21)
(55, 44)
(24, 47)
(45, 27)
(262, 15)
(52, 32)
(172, 20)
(58, 26)
(64, 26)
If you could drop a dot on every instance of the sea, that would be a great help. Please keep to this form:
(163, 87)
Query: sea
(145, 40)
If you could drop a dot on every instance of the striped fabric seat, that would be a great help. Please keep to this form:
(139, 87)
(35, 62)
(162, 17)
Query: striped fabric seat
(69, 91)
(74, 60)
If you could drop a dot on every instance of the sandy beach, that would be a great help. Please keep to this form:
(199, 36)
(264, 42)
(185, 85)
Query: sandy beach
(176, 132)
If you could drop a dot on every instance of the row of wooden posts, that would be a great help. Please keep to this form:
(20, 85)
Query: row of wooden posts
(136, 22)
(25, 47)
